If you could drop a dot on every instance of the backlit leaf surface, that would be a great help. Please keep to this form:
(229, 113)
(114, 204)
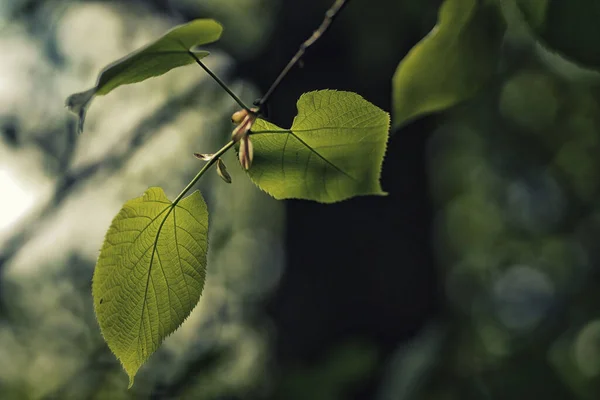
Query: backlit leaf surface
(150, 273)
(332, 152)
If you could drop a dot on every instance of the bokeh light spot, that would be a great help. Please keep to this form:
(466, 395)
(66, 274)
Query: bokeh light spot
(16, 200)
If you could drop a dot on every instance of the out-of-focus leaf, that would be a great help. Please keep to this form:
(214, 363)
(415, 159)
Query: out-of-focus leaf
(534, 11)
(170, 51)
(571, 28)
(451, 63)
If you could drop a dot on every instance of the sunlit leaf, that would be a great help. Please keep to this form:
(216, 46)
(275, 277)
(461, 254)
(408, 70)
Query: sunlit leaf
(333, 151)
(150, 273)
(570, 27)
(170, 51)
(451, 63)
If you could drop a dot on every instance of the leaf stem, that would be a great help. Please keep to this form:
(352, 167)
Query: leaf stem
(219, 81)
(330, 16)
(206, 167)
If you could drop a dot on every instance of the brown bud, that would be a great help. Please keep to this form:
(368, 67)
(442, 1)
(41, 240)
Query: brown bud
(222, 171)
(239, 116)
(246, 153)
(242, 129)
(203, 157)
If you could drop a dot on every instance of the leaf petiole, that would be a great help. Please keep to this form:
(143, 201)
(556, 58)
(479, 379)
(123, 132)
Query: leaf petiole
(220, 82)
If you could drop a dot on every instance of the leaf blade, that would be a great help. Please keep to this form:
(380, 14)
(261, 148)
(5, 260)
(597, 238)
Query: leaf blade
(569, 28)
(451, 63)
(333, 151)
(150, 273)
(172, 50)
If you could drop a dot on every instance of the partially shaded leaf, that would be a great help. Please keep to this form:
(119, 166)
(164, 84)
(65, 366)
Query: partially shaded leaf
(150, 273)
(170, 51)
(333, 151)
(451, 63)
(570, 28)
(534, 11)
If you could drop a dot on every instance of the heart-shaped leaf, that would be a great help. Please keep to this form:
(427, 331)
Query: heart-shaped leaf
(150, 273)
(170, 51)
(333, 151)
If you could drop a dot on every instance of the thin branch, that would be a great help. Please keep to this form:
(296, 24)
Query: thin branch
(206, 167)
(219, 81)
(330, 16)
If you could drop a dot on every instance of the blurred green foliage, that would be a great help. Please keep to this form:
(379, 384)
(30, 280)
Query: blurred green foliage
(569, 27)
(515, 176)
(452, 63)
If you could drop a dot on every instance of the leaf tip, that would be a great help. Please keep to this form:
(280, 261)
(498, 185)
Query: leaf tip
(217, 25)
(211, 28)
(131, 378)
(78, 104)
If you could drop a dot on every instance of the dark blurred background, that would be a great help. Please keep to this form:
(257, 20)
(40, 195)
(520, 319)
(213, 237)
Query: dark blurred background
(475, 278)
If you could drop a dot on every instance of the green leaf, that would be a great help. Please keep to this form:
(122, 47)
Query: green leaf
(333, 151)
(534, 11)
(170, 51)
(150, 273)
(569, 27)
(451, 63)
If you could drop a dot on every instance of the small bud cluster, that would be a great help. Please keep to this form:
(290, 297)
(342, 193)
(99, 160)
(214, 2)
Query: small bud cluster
(244, 121)
(241, 134)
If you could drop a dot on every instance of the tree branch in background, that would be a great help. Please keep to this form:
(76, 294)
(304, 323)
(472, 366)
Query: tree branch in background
(330, 16)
